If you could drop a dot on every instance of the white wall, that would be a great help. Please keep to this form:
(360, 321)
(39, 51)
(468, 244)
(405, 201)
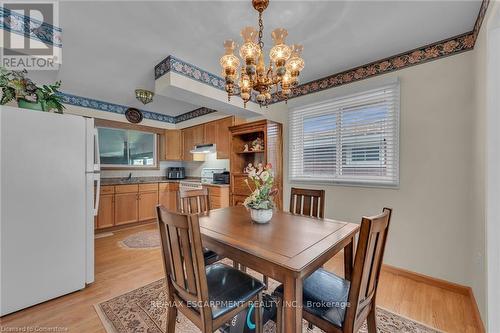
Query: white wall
(193, 169)
(485, 231)
(432, 208)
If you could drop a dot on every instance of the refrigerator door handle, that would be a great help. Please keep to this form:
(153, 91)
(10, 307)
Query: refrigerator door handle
(97, 154)
(97, 181)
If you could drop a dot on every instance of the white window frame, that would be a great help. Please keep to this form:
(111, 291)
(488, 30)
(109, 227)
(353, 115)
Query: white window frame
(364, 181)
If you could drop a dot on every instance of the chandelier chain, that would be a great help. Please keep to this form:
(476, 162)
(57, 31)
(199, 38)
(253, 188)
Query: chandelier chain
(261, 32)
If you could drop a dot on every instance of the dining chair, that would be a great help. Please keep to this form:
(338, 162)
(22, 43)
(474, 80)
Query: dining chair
(197, 202)
(307, 202)
(208, 296)
(337, 305)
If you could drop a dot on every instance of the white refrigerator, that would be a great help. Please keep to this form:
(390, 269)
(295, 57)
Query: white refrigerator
(49, 196)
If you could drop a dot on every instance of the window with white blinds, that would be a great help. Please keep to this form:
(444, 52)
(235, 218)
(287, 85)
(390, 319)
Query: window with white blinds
(349, 140)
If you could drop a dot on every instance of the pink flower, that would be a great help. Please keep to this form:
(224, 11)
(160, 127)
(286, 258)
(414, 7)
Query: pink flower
(469, 41)
(371, 70)
(384, 65)
(450, 46)
(398, 62)
(359, 73)
(431, 52)
(415, 57)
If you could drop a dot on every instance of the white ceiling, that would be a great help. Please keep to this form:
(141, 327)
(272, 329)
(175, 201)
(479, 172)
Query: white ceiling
(111, 47)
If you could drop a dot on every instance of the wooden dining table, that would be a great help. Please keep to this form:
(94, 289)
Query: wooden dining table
(287, 249)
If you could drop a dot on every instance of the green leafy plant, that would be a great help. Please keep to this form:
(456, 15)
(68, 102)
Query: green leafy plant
(48, 94)
(15, 85)
(263, 190)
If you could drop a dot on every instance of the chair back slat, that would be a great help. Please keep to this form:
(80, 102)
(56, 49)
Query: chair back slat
(307, 202)
(188, 262)
(194, 201)
(183, 255)
(367, 265)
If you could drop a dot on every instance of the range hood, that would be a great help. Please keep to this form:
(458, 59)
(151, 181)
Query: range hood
(204, 149)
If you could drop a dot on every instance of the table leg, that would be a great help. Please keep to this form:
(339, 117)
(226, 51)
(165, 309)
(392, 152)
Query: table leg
(348, 257)
(292, 305)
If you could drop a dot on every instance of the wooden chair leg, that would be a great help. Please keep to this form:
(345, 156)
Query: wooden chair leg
(258, 315)
(371, 320)
(171, 319)
(279, 315)
(310, 326)
(265, 280)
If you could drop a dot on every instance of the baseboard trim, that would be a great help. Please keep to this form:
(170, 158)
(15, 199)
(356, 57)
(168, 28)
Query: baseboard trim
(476, 313)
(443, 284)
(124, 226)
(455, 287)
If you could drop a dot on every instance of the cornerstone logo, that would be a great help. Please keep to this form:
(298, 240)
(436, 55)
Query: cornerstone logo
(31, 39)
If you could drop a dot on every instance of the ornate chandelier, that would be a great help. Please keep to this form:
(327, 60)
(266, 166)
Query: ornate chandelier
(285, 63)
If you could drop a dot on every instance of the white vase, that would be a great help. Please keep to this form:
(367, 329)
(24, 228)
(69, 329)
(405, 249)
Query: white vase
(261, 215)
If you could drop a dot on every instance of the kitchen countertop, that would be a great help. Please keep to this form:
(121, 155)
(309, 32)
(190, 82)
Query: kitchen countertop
(149, 180)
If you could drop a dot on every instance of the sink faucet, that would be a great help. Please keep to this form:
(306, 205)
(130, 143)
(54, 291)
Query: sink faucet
(129, 177)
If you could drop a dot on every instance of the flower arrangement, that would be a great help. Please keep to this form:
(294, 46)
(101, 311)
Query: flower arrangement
(16, 86)
(262, 180)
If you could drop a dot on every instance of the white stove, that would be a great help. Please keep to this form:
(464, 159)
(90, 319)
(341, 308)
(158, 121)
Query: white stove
(207, 177)
(189, 185)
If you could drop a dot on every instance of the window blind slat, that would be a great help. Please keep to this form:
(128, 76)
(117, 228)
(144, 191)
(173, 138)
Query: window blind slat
(352, 139)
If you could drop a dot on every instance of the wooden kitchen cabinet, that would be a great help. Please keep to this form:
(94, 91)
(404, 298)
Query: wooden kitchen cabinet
(106, 212)
(126, 208)
(223, 140)
(271, 134)
(237, 200)
(147, 205)
(218, 196)
(192, 136)
(210, 132)
(173, 145)
(168, 195)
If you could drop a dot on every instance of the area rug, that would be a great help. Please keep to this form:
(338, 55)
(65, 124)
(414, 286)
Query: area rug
(143, 310)
(142, 240)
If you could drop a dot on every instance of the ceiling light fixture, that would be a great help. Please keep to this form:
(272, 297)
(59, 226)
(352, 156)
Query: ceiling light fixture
(145, 96)
(284, 67)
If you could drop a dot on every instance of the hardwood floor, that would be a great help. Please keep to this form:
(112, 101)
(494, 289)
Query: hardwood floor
(119, 270)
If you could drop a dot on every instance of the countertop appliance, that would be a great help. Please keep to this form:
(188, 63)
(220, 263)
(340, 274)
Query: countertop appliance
(221, 177)
(207, 174)
(50, 173)
(176, 173)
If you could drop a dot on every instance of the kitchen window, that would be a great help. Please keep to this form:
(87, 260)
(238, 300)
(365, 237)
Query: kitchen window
(352, 140)
(124, 148)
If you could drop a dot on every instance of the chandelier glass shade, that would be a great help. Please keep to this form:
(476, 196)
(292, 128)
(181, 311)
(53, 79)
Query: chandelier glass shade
(279, 76)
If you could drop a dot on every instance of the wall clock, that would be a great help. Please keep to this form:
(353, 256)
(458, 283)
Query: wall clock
(133, 115)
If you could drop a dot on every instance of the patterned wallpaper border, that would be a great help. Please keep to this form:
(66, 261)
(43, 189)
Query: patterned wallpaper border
(193, 72)
(179, 66)
(120, 109)
(434, 51)
(18, 24)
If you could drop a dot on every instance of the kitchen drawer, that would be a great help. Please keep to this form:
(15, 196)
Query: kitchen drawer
(215, 204)
(169, 186)
(148, 187)
(215, 190)
(107, 189)
(132, 188)
(239, 187)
